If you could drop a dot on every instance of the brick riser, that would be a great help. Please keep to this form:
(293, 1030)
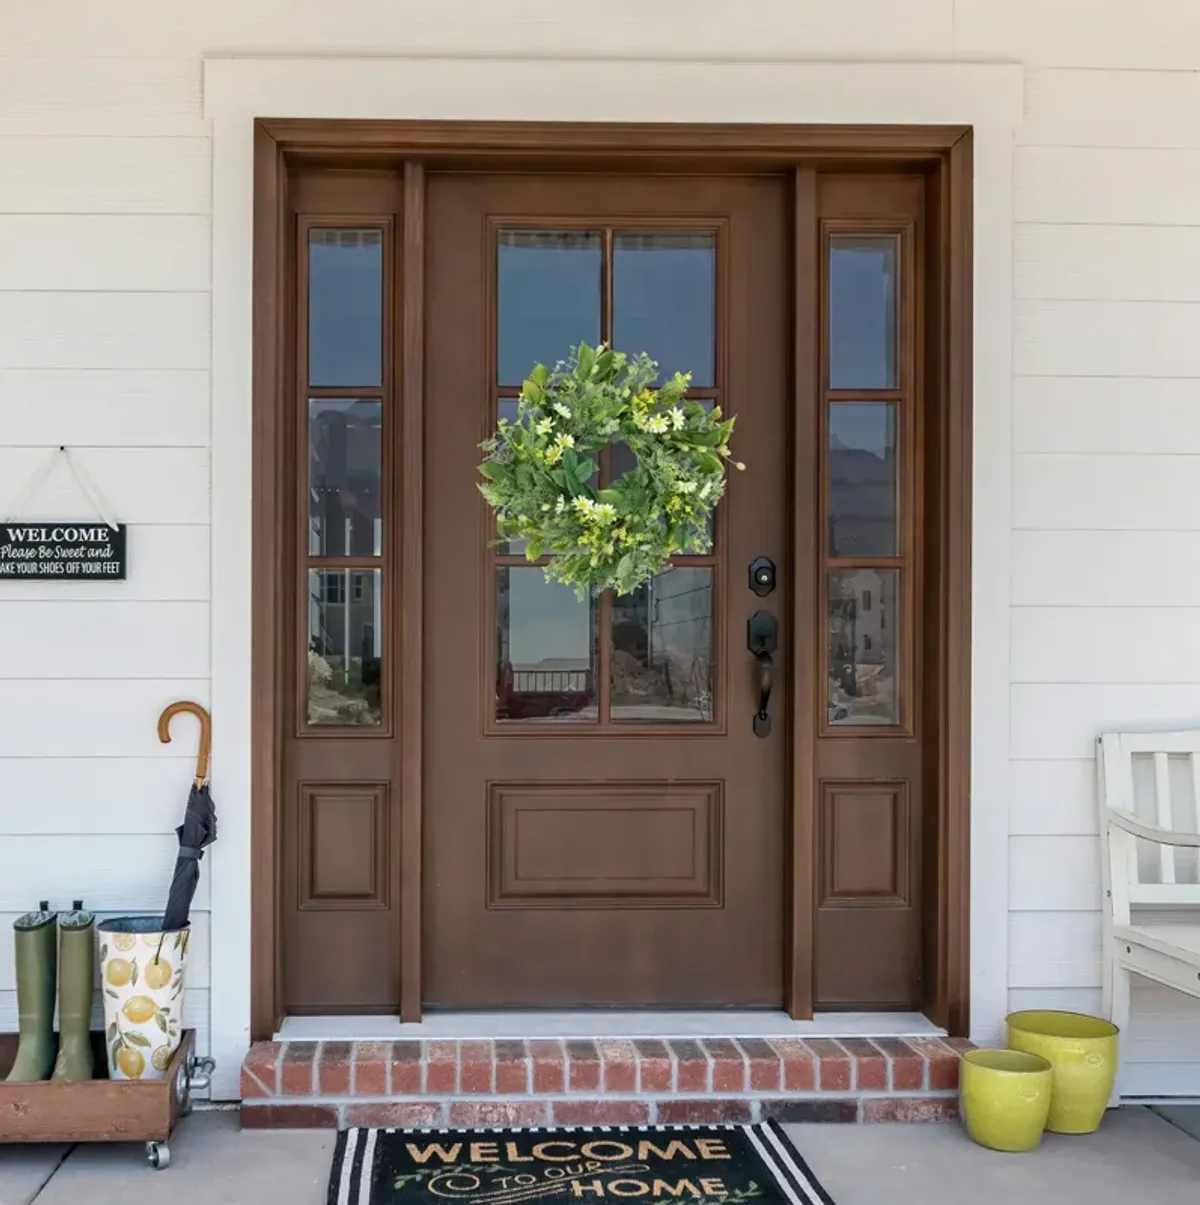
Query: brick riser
(604, 1082)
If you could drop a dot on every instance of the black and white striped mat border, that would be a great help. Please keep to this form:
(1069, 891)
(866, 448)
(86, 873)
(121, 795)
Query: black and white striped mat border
(354, 1158)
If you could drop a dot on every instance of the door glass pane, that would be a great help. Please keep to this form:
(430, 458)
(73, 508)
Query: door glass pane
(664, 301)
(862, 312)
(862, 479)
(662, 661)
(344, 476)
(863, 638)
(345, 646)
(545, 650)
(548, 285)
(345, 307)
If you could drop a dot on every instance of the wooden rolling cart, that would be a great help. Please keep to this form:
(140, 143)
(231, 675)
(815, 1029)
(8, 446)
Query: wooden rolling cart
(104, 1110)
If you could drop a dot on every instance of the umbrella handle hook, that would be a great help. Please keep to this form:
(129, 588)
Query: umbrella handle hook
(164, 733)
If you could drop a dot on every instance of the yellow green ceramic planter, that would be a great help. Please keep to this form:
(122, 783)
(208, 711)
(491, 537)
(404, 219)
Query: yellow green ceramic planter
(1005, 1098)
(1083, 1052)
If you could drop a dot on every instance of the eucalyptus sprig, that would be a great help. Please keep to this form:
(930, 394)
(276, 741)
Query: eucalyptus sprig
(542, 470)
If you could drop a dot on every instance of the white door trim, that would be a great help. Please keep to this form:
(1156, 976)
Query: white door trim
(987, 96)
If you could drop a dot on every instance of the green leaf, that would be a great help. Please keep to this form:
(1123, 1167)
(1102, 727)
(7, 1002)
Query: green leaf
(587, 362)
(109, 992)
(540, 374)
(534, 549)
(103, 953)
(160, 1022)
(584, 470)
(493, 472)
(134, 973)
(709, 463)
(709, 439)
(137, 1039)
(111, 1032)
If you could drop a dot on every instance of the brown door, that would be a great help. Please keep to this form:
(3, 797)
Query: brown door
(602, 824)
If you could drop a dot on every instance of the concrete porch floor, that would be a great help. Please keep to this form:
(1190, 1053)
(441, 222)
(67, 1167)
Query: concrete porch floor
(1138, 1155)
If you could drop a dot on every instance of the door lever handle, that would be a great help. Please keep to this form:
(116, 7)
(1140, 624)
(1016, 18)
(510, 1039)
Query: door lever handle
(762, 639)
(766, 679)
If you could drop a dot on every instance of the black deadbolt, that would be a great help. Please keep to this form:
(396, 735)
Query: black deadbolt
(762, 576)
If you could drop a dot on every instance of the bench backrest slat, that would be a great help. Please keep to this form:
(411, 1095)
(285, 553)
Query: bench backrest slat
(1156, 776)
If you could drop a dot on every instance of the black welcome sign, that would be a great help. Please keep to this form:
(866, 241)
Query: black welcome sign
(89, 550)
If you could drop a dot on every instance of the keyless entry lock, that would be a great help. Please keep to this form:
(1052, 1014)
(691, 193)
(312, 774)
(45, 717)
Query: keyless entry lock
(762, 576)
(762, 639)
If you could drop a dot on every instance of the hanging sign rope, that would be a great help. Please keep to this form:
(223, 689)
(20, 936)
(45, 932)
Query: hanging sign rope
(68, 550)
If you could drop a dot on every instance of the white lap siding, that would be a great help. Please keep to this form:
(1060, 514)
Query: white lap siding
(1106, 502)
(105, 248)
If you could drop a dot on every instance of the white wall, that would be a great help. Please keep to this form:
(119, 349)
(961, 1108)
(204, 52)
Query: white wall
(105, 202)
(1106, 496)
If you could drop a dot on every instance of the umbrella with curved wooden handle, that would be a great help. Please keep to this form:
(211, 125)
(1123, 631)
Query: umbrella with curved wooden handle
(199, 827)
(201, 713)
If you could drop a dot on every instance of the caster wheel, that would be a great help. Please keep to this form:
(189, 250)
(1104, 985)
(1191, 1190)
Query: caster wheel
(158, 1155)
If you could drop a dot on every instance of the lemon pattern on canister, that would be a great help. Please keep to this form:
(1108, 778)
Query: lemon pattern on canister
(143, 983)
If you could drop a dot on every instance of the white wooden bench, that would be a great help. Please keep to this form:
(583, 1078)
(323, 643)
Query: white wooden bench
(1150, 856)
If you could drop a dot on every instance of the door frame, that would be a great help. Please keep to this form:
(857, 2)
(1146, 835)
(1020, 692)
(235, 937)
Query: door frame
(945, 154)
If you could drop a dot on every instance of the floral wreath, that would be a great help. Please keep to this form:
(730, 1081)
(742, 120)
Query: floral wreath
(541, 470)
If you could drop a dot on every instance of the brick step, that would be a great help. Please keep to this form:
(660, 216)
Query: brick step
(600, 1082)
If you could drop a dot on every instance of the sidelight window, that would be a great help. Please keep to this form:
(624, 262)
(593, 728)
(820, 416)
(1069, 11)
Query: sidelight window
(343, 408)
(869, 395)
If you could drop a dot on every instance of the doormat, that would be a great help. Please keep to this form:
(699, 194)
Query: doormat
(569, 1165)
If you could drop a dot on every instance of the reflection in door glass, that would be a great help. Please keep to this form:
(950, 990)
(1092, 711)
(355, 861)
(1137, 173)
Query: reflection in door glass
(548, 298)
(345, 307)
(344, 474)
(862, 312)
(345, 647)
(662, 659)
(862, 479)
(863, 637)
(545, 650)
(664, 300)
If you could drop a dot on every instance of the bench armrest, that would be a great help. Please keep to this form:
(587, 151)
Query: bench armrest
(1122, 819)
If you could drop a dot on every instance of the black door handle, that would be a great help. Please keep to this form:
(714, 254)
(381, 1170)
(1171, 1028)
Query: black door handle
(762, 639)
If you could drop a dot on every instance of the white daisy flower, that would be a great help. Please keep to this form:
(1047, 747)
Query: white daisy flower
(543, 427)
(561, 409)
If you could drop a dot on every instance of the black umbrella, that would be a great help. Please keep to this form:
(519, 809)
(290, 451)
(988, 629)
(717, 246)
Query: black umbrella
(199, 827)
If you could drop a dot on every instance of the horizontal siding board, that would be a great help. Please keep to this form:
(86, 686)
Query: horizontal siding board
(105, 175)
(110, 872)
(1106, 263)
(89, 719)
(1064, 721)
(95, 639)
(195, 1014)
(1106, 338)
(104, 330)
(1054, 949)
(1111, 108)
(140, 485)
(1076, 33)
(1105, 414)
(775, 29)
(197, 958)
(88, 408)
(1053, 798)
(1105, 644)
(98, 252)
(79, 796)
(1134, 185)
(1103, 492)
(94, 96)
(165, 564)
(1054, 874)
(1120, 568)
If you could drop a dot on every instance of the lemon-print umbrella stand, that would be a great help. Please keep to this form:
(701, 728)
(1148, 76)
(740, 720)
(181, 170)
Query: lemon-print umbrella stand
(142, 974)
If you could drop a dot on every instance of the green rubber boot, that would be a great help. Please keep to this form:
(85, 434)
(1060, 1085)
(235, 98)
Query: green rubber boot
(76, 983)
(35, 936)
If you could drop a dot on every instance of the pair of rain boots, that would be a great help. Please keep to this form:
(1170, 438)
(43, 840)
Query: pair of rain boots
(48, 943)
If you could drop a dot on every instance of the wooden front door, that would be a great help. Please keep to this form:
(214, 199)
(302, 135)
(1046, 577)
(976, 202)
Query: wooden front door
(493, 794)
(602, 824)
